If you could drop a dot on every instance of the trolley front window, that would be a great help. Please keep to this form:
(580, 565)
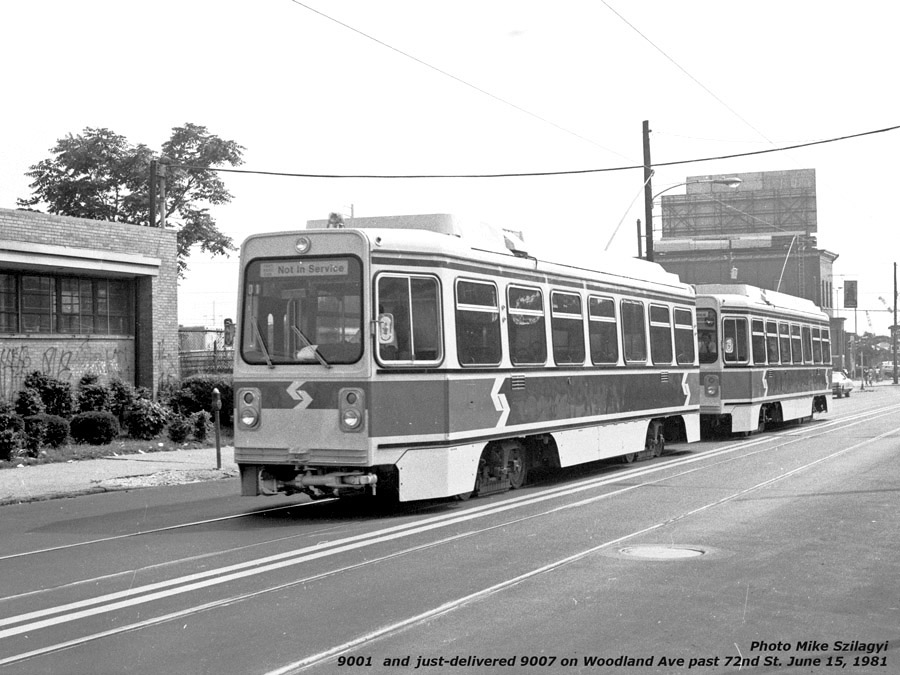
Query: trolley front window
(707, 335)
(302, 311)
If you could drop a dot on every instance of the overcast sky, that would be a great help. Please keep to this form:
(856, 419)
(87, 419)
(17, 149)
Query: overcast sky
(475, 87)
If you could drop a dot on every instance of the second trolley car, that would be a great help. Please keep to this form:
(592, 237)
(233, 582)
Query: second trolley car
(765, 357)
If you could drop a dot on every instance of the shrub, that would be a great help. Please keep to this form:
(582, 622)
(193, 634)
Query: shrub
(56, 394)
(28, 402)
(93, 398)
(10, 442)
(195, 394)
(200, 422)
(179, 429)
(11, 434)
(145, 419)
(122, 396)
(57, 430)
(95, 427)
(35, 433)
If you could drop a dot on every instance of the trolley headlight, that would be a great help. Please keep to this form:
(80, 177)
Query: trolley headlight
(249, 418)
(351, 419)
(249, 404)
(351, 409)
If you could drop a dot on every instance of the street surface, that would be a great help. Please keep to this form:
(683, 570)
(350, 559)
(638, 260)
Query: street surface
(775, 553)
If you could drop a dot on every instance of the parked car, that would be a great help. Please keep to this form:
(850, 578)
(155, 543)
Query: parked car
(841, 385)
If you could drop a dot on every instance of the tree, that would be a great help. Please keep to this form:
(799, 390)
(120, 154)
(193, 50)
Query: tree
(98, 174)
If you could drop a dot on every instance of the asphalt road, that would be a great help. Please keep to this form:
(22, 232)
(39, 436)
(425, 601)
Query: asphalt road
(770, 554)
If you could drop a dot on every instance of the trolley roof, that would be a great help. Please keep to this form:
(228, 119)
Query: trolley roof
(744, 295)
(472, 240)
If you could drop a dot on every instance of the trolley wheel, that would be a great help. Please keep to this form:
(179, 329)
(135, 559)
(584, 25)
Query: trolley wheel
(518, 469)
(656, 441)
(629, 458)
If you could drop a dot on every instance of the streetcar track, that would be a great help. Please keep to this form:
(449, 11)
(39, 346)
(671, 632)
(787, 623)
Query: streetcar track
(247, 514)
(82, 609)
(448, 607)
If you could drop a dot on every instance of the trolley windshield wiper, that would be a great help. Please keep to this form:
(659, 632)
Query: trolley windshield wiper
(313, 348)
(262, 344)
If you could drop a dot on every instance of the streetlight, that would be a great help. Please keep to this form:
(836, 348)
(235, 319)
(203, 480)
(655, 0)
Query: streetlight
(731, 181)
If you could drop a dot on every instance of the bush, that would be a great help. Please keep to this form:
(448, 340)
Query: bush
(95, 427)
(28, 402)
(10, 442)
(200, 422)
(56, 394)
(35, 433)
(195, 394)
(145, 419)
(93, 398)
(121, 397)
(179, 429)
(57, 433)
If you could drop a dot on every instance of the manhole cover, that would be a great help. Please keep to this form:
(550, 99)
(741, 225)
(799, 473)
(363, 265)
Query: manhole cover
(660, 552)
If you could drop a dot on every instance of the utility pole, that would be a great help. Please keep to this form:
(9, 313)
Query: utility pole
(639, 233)
(154, 169)
(894, 328)
(648, 191)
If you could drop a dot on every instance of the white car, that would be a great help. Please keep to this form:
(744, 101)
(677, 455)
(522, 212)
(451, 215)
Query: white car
(841, 385)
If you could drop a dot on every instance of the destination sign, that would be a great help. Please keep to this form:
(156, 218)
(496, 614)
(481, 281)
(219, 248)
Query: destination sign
(304, 268)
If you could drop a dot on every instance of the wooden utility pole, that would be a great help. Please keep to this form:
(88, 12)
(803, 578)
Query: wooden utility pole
(648, 192)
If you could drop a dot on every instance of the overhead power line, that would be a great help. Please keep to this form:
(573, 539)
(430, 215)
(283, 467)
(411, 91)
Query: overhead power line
(683, 70)
(541, 173)
(458, 79)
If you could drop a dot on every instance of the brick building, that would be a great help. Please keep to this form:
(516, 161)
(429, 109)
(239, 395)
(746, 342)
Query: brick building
(80, 296)
(763, 233)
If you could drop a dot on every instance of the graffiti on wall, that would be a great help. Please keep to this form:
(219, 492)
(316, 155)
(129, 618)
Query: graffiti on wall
(66, 362)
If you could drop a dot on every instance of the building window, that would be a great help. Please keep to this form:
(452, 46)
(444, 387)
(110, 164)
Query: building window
(32, 303)
(9, 311)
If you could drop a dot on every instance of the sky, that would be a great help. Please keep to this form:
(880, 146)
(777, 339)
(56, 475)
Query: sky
(385, 87)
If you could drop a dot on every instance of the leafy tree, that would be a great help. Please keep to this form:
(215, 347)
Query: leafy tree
(98, 174)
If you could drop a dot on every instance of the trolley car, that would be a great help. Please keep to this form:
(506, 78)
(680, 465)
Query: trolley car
(765, 357)
(405, 355)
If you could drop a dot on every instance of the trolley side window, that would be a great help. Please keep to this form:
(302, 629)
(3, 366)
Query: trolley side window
(526, 326)
(602, 330)
(684, 336)
(758, 340)
(796, 348)
(660, 334)
(772, 342)
(707, 335)
(302, 311)
(634, 331)
(735, 346)
(826, 346)
(477, 323)
(806, 332)
(817, 345)
(567, 325)
(784, 342)
(409, 323)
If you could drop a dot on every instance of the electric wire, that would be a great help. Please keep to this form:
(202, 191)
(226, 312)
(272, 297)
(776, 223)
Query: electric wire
(697, 160)
(683, 70)
(458, 79)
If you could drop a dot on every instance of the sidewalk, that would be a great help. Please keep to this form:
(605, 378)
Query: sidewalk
(121, 472)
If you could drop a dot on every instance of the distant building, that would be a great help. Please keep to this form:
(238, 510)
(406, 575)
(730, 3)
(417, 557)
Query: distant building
(761, 233)
(84, 296)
